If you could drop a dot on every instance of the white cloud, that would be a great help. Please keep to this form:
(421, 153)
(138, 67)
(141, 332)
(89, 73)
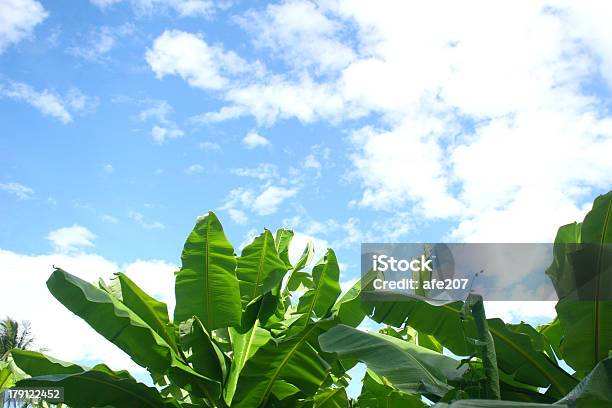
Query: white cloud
(18, 19)
(501, 134)
(184, 8)
(144, 222)
(48, 102)
(194, 169)
(98, 42)
(311, 162)
(165, 128)
(270, 199)
(189, 56)
(69, 239)
(279, 98)
(253, 140)
(108, 168)
(161, 134)
(516, 312)
(238, 216)
(319, 155)
(17, 189)
(300, 32)
(159, 110)
(266, 201)
(47, 315)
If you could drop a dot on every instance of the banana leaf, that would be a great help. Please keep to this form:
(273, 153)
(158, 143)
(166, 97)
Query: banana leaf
(206, 285)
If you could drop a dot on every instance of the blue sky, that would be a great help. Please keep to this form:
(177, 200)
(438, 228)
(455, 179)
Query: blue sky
(122, 121)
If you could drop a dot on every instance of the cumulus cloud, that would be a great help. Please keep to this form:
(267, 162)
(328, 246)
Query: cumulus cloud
(51, 320)
(500, 134)
(301, 32)
(189, 56)
(70, 239)
(160, 134)
(49, 103)
(266, 201)
(18, 18)
(253, 140)
(270, 199)
(19, 190)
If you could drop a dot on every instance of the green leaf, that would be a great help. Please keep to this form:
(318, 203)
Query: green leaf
(282, 241)
(152, 311)
(9, 375)
(493, 404)
(377, 392)
(326, 289)
(36, 364)
(595, 390)
(206, 286)
(587, 332)
(244, 346)
(112, 319)
(203, 354)
(296, 277)
(295, 359)
(485, 346)
(444, 322)
(282, 390)
(409, 367)
(516, 354)
(587, 336)
(348, 308)
(560, 271)
(259, 268)
(553, 334)
(101, 387)
(331, 398)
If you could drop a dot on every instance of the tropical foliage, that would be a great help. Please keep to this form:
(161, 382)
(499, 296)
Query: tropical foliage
(255, 330)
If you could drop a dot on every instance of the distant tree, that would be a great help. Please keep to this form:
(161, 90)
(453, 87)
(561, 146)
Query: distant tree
(14, 335)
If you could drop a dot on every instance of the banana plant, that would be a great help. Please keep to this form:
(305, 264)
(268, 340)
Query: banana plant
(240, 335)
(243, 336)
(582, 274)
(509, 362)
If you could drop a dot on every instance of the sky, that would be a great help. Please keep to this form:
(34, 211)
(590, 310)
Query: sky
(121, 121)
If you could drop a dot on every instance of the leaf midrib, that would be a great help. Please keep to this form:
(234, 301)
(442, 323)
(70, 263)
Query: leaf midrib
(318, 289)
(262, 257)
(207, 273)
(282, 365)
(597, 283)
